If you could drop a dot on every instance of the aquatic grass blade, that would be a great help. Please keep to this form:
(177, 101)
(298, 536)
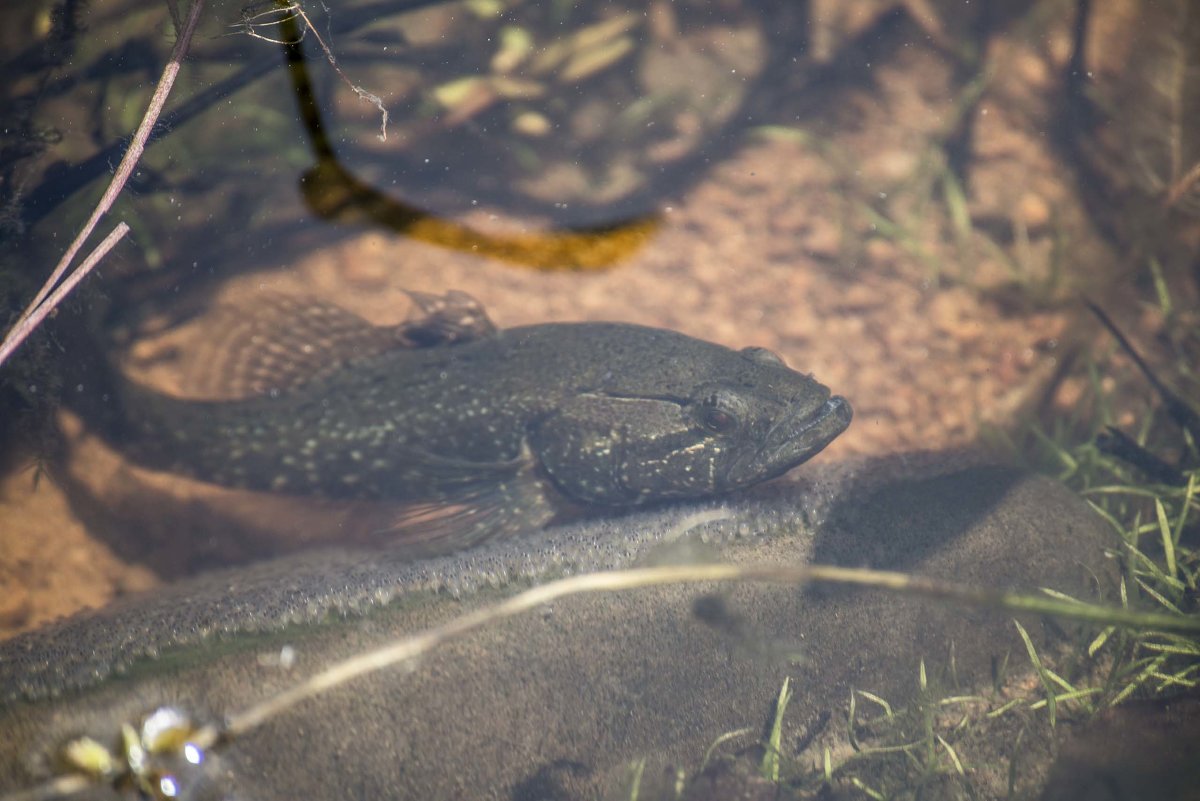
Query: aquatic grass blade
(1096, 644)
(724, 738)
(882, 703)
(958, 766)
(961, 699)
(1050, 702)
(1060, 681)
(1168, 539)
(852, 716)
(770, 761)
(1179, 645)
(1156, 595)
(1139, 680)
(870, 793)
(1061, 596)
(635, 786)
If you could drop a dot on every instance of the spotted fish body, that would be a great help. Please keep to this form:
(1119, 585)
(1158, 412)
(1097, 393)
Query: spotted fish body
(509, 427)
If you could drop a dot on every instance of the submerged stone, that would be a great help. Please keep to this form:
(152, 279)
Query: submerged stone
(558, 703)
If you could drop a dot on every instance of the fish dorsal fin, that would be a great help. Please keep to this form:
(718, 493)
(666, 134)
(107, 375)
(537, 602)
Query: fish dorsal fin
(282, 342)
(445, 320)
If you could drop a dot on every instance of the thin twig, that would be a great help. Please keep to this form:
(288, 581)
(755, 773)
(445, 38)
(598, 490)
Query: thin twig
(408, 648)
(137, 145)
(358, 90)
(1184, 185)
(26, 325)
(619, 580)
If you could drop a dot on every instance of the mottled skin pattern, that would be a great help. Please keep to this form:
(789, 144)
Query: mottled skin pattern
(507, 424)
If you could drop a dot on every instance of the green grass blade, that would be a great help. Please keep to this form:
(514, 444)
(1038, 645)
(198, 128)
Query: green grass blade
(770, 761)
(1168, 539)
(1050, 702)
(953, 755)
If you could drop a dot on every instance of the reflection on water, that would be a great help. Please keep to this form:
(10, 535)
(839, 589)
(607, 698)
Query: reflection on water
(333, 194)
(577, 113)
(904, 199)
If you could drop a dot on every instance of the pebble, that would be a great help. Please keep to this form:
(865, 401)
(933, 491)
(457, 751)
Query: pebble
(1033, 210)
(15, 606)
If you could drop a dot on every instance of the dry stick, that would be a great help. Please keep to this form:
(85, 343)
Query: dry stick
(32, 321)
(358, 90)
(619, 580)
(30, 317)
(612, 581)
(1183, 185)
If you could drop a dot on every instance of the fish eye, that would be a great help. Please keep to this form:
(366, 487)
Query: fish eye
(717, 420)
(716, 413)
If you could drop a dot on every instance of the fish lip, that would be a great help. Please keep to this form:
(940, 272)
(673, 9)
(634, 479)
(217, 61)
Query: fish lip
(793, 440)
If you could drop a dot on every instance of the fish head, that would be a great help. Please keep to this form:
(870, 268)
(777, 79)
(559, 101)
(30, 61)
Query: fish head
(725, 420)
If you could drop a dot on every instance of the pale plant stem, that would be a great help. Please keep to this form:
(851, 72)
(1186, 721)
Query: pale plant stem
(34, 318)
(47, 297)
(408, 648)
(620, 580)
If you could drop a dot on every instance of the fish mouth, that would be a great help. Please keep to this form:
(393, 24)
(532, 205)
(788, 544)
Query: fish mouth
(793, 440)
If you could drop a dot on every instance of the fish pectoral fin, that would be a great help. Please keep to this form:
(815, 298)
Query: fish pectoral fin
(475, 501)
(466, 518)
(445, 320)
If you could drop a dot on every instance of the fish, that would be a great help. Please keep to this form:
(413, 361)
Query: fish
(474, 430)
